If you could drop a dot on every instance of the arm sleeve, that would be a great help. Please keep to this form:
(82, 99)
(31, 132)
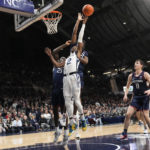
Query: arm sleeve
(81, 34)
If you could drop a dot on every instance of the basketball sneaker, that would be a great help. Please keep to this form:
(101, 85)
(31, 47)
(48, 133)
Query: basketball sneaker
(77, 136)
(124, 136)
(84, 125)
(145, 131)
(140, 123)
(72, 128)
(57, 134)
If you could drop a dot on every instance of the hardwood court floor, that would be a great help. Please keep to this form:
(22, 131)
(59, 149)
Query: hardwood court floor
(25, 140)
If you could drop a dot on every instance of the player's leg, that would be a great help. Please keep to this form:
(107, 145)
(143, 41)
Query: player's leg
(75, 107)
(146, 110)
(144, 122)
(64, 124)
(57, 101)
(146, 116)
(128, 116)
(56, 121)
(65, 119)
(138, 115)
(69, 101)
(76, 115)
(56, 116)
(77, 90)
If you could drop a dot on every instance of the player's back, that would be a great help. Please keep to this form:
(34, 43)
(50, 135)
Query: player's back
(139, 84)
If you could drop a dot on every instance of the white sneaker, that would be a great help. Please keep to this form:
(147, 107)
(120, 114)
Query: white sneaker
(57, 134)
(77, 136)
(145, 131)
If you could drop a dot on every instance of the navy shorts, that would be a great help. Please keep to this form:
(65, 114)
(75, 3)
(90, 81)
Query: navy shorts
(140, 102)
(57, 97)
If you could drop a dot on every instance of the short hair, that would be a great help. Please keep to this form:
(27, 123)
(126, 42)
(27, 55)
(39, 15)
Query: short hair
(141, 61)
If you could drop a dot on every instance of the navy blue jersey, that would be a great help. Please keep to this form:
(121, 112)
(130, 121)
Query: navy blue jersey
(57, 78)
(139, 84)
(82, 66)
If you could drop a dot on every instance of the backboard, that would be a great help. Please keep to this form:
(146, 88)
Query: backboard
(22, 22)
(22, 7)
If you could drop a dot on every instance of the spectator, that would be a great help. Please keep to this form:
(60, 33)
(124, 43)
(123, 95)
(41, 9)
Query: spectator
(2, 128)
(34, 123)
(44, 124)
(17, 125)
(26, 126)
(8, 126)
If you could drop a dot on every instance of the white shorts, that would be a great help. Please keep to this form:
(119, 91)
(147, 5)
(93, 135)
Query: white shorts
(72, 85)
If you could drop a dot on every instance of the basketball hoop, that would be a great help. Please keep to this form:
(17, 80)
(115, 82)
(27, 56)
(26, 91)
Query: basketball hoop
(51, 21)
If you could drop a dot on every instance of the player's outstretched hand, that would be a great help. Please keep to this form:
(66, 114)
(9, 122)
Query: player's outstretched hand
(80, 17)
(147, 92)
(68, 42)
(125, 98)
(48, 51)
(85, 19)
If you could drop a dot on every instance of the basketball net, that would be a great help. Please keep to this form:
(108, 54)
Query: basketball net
(51, 21)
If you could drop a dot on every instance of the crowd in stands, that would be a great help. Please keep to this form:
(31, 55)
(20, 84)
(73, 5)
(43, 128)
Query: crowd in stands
(25, 101)
(19, 114)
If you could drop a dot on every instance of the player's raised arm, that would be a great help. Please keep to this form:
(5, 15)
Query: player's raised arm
(75, 30)
(55, 63)
(61, 47)
(80, 43)
(147, 77)
(127, 88)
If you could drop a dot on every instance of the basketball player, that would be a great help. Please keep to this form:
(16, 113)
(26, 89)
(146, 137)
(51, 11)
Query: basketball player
(71, 80)
(140, 100)
(57, 92)
(83, 60)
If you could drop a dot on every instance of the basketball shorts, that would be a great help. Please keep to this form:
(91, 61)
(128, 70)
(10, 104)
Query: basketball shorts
(71, 85)
(57, 97)
(140, 102)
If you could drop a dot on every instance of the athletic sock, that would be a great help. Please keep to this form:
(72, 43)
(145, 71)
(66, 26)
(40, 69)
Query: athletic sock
(125, 131)
(145, 127)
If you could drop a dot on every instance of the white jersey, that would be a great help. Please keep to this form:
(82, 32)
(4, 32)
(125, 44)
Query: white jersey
(71, 64)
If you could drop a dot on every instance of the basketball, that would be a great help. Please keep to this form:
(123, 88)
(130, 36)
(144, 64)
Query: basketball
(88, 10)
